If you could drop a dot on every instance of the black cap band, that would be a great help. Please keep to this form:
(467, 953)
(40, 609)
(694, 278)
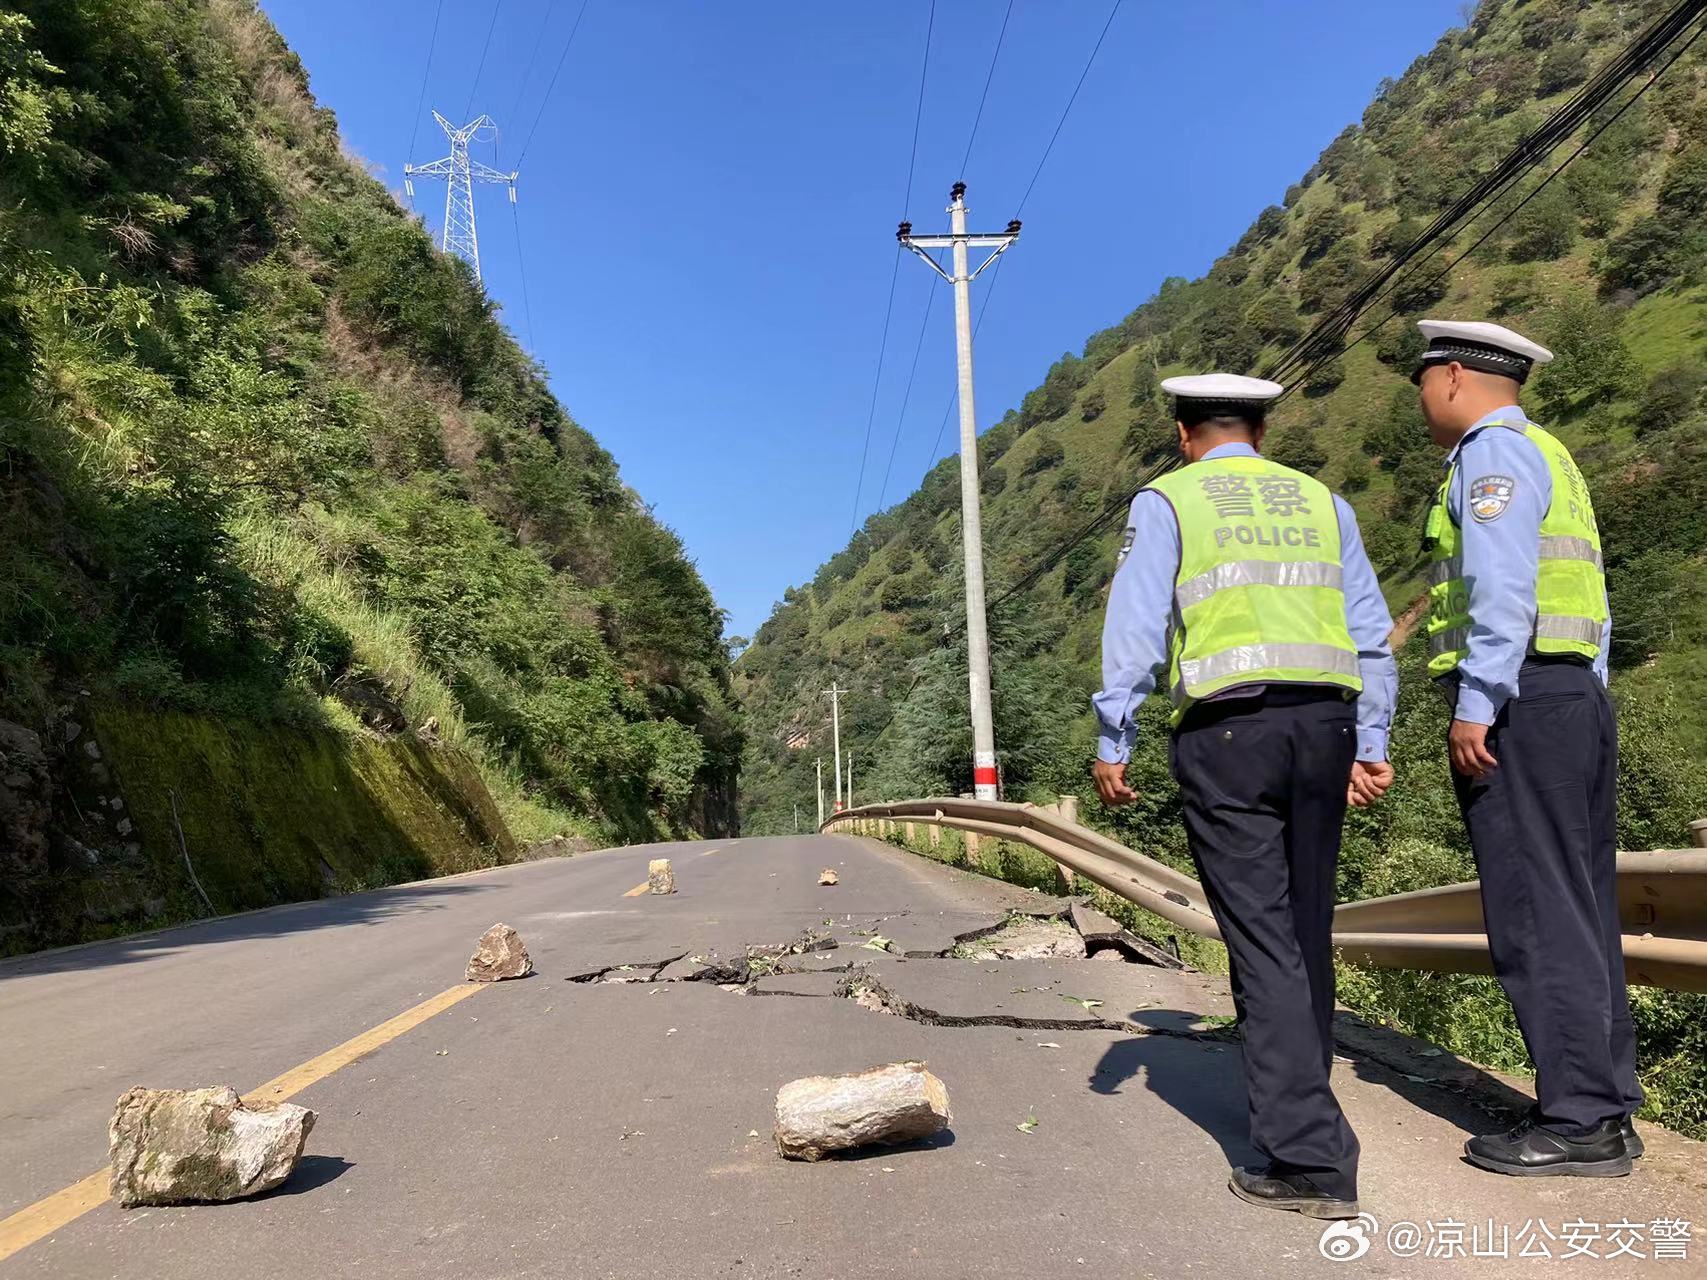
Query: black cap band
(1475, 355)
(1193, 410)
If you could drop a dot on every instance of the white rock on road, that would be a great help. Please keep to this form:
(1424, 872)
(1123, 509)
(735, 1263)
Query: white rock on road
(817, 1115)
(500, 954)
(169, 1146)
(828, 876)
(660, 878)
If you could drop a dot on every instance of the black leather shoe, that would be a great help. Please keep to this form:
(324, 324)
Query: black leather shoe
(1633, 1144)
(1293, 1192)
(1531, 1151)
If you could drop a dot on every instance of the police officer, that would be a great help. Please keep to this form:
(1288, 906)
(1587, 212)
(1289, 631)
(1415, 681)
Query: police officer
(1249, 582)
(1518, 631)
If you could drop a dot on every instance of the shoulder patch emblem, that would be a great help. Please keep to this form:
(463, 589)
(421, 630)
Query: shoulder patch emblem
(1490, 496)
(1126, 540)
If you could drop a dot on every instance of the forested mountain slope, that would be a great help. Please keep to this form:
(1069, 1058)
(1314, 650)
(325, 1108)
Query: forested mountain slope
(1608, 266)
(279, 490)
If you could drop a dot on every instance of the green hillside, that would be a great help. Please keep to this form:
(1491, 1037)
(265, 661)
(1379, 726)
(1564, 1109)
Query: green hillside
(1608, 266)
(270, 459)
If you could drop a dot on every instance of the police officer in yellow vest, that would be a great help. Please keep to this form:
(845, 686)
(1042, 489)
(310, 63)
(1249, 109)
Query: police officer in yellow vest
(1248, 581)
(1518, 631)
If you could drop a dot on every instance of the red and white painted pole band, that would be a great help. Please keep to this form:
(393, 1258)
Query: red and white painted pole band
(984, 775)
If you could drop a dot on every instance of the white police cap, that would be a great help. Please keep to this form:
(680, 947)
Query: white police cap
(1476, 344)
(1223, 387)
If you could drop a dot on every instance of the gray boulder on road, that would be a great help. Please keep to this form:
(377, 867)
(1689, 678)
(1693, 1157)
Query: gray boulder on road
(169, 1146)
(500, 954)
(817, 1115)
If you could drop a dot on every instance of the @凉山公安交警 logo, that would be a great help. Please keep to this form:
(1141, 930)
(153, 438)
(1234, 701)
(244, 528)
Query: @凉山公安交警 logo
(1348, 1240)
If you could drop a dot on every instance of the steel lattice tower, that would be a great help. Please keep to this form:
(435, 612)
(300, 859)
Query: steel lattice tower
(460, 173)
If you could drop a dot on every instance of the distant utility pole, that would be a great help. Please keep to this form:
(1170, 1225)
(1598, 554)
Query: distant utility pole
(460, 174)
(836, 692)
(797, 819)
(850, 780)
(820, 791)
(971, 523)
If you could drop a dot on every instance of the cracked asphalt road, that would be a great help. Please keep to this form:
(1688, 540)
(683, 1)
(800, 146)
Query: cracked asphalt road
(606, 1128)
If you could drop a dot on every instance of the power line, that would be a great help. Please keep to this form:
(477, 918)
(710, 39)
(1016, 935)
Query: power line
(983, 97)
(522, 270)
(906, 397)
(1061, 550)
(1065, 111)
(1332, 352)
(1036, 173)
(480, 69)
(894, 273)
(1522, 159)
(426, 72)
(552, 84)
(533, 57)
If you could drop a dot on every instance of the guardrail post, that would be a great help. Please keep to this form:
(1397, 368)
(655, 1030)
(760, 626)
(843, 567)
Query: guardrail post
(971, 839)
(936, 836)
(908, 832)
(1066, 881)
(1698, 833)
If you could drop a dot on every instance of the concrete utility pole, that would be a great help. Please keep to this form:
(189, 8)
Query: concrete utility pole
(820, 791)
(971, 523)
(850, 780)
(836, 692)
(460, 174)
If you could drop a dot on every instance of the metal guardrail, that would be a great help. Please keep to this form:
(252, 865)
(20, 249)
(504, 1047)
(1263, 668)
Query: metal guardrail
(1662, 895)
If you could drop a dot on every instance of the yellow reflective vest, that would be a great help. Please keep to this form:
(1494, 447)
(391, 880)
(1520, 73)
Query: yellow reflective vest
(1258, 598)
(1570, 588)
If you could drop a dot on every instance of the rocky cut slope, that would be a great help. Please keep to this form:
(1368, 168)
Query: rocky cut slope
(1607, 265)
(306, 576)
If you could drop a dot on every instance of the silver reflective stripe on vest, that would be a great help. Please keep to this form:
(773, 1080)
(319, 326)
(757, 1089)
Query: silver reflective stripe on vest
(1257, 573)
(1447, 641)
(1563, 546)
(1443, 571)
(1562, 626)
(1195, 672)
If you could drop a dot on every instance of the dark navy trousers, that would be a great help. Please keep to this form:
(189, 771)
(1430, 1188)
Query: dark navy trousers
(1544, 825)
(1263, 781)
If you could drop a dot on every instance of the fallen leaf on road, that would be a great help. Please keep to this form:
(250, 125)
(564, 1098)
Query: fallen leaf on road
(1028, 1124)
(888, 1168)
(1049, 1044)
(1430, 1053)
(1086, 1005)
(752, 1133)
(442, 1053)
(670, 1032)
(878, 943)
(1419, 1079)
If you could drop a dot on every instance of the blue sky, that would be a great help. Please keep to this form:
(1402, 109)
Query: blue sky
(708, 207)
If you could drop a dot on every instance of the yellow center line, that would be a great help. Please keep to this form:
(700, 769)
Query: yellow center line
(638, 889)
(50, 1213)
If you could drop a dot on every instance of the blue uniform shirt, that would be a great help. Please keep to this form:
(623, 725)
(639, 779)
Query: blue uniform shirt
(1501, 562)
(1140, 608)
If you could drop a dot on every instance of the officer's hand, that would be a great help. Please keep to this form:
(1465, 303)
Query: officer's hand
(1369, 782)
(1467, 744)
(1111, 785)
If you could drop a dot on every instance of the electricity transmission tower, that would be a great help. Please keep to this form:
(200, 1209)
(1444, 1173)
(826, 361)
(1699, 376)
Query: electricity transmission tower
(460, 174)
(984, 776)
